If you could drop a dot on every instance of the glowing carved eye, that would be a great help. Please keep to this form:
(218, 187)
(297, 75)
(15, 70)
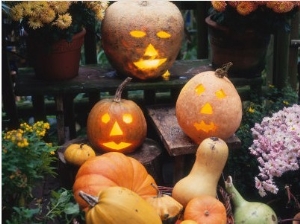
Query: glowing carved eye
(105, 118)
(137, 33)
(200, 89)
(127, 118)
(220, 94)
(163, 34)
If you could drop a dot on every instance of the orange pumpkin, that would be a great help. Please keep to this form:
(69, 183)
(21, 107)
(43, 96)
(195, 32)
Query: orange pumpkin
(142, 41)
(112, 169)
(205, 209)
(77, 154)
(209, 105)
(116, 125)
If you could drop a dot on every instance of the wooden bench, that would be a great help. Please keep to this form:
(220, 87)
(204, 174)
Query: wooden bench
(93, 79)
(177, 144)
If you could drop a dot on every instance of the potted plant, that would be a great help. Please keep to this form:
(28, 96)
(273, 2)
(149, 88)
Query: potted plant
(240, 32)
(53, 28)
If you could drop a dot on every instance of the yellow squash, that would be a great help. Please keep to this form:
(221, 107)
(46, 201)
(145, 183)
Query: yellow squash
(119, 205)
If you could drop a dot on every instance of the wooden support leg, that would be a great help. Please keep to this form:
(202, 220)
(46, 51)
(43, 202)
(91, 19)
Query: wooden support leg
(38, 105)
(149, 97)
(69, 116)
(179, 167)
(60, 119)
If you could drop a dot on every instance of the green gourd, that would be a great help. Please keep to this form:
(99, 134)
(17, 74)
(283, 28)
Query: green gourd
(211, 157)
(246, 212)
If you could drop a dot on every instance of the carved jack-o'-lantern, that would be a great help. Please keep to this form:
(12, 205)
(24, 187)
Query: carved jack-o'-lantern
(142, 39)
(116, 125)
(209, 105)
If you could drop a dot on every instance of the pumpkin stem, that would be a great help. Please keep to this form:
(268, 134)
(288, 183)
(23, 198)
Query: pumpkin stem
(120, 89)
(91, 200)
(221, 72)
(158, 192)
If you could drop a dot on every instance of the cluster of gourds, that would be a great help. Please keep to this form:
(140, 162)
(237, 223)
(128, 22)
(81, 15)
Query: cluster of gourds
(113, 181)
(115, 188)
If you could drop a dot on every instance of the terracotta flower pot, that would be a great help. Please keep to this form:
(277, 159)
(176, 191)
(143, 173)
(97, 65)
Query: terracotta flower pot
(58, 62)
(246, 50)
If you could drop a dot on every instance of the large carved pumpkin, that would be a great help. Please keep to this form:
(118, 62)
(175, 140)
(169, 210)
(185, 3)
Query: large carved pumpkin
(142, 39)
(209, 105)
(112, 169)
(116, 125)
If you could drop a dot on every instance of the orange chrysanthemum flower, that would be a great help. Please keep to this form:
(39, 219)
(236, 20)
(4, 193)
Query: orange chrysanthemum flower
(245, 8)
(219, 5)
(280, 6)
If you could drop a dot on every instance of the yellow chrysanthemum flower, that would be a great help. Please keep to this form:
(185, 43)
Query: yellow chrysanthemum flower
(48, 16)
(35, 23)
(251, 110)
(60, 7)
(16, 12)
(63, 21)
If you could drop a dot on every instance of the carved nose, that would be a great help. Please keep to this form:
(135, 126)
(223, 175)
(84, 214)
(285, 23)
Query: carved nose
(150, 52)
(116, 130)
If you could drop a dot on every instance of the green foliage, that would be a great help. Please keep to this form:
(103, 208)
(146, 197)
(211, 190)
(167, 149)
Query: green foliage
(61, 208)
(26, 158)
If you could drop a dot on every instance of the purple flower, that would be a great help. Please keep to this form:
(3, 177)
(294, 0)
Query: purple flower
(276, 146)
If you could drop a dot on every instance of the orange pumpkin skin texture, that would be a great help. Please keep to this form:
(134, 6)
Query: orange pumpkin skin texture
(207, 106)
(142, 41)
(205, 209)
(112, 169)
(116, 125)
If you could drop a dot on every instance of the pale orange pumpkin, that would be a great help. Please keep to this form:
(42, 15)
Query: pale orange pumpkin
(209, 105)
(116, 125)
(142, 39)
(112, 169)
(205, 209)
(77, 154)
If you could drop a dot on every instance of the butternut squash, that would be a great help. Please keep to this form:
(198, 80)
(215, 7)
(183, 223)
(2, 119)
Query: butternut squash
(211, 157)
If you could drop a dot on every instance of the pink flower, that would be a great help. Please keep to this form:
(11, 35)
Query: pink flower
(276, 146)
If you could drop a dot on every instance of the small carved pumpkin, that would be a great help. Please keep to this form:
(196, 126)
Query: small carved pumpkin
(142, 41)
(209, 105)
(112, 169)
(166, 207)
(116, 125)
(205, 209)
(77, 154)
(119, 205)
